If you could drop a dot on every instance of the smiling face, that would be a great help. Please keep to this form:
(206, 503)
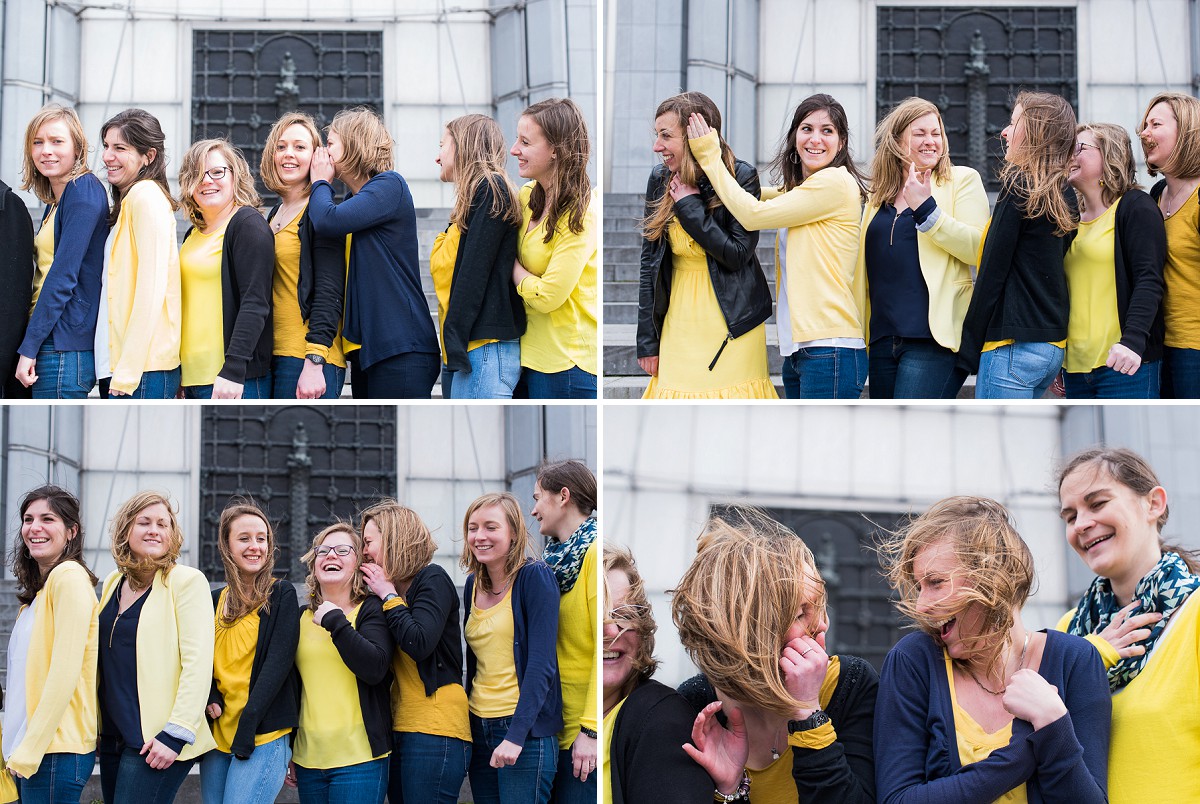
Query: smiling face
(941, 584)
(670, 140)
(372, 542)
(150, 535)
(1112, 528)
(1159, 135)
(1014, 133)
(1087, 165)
(924, 141)
(122, 160)
(550, 510)
(332, 569)
(45, 534)
(54, 151)
(535, 155)
(489, 537)
(293, 155)
(445, 157)
(621, 641)
(215, 196)
(817, 142)
(249, 544)
(336, 150)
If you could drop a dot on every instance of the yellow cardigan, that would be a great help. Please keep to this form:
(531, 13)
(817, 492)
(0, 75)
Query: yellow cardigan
(60, 671)
(577, 651)
(176, 631)
(946, 252)
(144, 302)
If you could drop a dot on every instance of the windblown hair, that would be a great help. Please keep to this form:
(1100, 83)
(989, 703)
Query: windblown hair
(1036, 171)
(1184, 160)
(358, 587)
(144, 133)
(31, 177)
(1133, 472)
(479, 156)
(245, 595)
(367, 146)
(266, 168)
(191, 176)
(734, 605)
(564, 128)
(991, 556)
(122, 526)
(30, 578)
(683, 106)
(619, 559)
(406, 546)
(517, 551)
(787, 165)
(1118, 174)
(889, 166)
(553, 476)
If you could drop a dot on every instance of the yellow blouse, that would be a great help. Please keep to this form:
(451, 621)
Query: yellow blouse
(443, 714)
(233, 659)
(291, 333)
(202, 342)
(43, 245)
(1094, 323)
(490, 633)
(1181, 274)
(975, 744)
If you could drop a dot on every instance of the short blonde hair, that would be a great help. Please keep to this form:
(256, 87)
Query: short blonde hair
(516, 556)
(191, 175)
(367, 146)
(1184, 160)
(122, 526)
(406, 546)
(618, 558)
(1118, 173)
(31, 177)
(266, 168)
(358, 587)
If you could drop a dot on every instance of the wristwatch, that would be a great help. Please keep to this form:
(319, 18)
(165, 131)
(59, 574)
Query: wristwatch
(315, 359)
(586, 732)
(816, 719)
(390, 596)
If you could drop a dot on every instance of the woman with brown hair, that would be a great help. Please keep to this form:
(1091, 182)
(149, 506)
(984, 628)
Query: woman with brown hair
(751, 613)
(975, 706)
(431, 731)
(252, 703)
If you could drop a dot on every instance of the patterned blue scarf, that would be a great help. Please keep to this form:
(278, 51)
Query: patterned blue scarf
(566, 558)
(1164, 589)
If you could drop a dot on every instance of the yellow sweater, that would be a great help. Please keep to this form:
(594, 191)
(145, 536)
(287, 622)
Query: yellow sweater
(1155, 746)
(577, 651)
(144, 301)
(60, 671)
(174, 656)
(822, 215)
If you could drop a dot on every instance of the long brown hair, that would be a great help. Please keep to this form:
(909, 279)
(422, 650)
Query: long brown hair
(406, 546)
(479, 156)
(31, 177)
(142, 131)
(787, 165)
(1037, 171)
(517, 551)
(266, 168)
(565, 129)
(358, 587)
(122, 525)
(30, 578)
(889, 166)
(242, 596)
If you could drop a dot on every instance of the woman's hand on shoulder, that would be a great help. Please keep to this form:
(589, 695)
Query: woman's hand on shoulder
(721, 751)
(1033, 698)
(679, 190)
(697, 126)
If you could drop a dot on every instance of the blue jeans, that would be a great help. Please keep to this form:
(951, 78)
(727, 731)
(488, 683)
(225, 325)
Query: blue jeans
(567, 788)
(1018, 371)
(574, 383)
(125, 778)
(528, 781)
(1180, 373)
(64, 375)
(254, 780)
(495, 371)
(913, 368)
(410, 375)
(364, 783)
(153, 385)
(825, 372)
(59, 779)
(1104, 383)
(427, 769)
(285, 373)
(256, 388)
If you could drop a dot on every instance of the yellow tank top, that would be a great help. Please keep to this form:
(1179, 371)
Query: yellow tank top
(233, 660)
(975, 744)
(490, 633)
(441, 268)
(291, 333)
(1094, 324)
(607, 724)
(1181, 302)
(443, 714)
(43, 245)
(202, 341)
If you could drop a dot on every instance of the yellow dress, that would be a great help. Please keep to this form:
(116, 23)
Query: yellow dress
(694, 330)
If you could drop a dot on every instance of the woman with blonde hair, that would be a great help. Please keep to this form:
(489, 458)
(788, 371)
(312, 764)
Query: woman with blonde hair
(56, 358)
(510, 602)
(252, 703)
(309, 286)
(558, 257)
(1114, 266)
(386, 314)
(920, 237)
(1015, 329)
(155, 664)
(431, 732)
(340, 755)
(751, 614)
(1170, 135)
(975, 706)
(225, 264)
(479, 311)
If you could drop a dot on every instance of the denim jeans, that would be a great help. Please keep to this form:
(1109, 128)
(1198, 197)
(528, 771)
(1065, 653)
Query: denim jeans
(1180, 373)
(254, 780)
(285, 373)
(528, 781)
(125, 778)
(1018, 371)
(567, 788)
(64, 375)
(364, 783)
(574, 383)
(1104, 383)
(427, 768)
(912, 368)
(495, 371)
(153, 385)
(410, 375)
(256, 388)
(59, 780)
(825, 372)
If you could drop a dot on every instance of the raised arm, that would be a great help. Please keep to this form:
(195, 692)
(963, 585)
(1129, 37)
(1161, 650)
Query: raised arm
(960, 234)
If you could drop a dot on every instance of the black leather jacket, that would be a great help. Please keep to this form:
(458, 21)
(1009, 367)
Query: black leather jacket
(737, 278)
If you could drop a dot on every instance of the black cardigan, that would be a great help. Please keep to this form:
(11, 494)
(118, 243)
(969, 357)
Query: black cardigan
(646, 757)
(844, 770)
(16, 286)
(274, 700)
(427, 628)
(483, 302)
(247, 269)
(1140, 253)
(321, 286)
(366, 648)
(737, 277)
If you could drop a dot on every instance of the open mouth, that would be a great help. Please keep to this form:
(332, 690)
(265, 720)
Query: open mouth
(1092, 543)
(38, 540)
(946, 627)
(612, 655)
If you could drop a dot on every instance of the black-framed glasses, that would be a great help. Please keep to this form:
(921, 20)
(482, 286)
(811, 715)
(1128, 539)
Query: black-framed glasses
(217, 173)
(342, 550)
(1080, 146)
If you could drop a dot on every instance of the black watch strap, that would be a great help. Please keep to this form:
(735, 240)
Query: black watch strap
(816, 719)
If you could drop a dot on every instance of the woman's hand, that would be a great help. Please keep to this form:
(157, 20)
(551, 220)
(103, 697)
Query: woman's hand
(213, 710)
(322, 610)
(377, 580)
(804, 663)
(1121, 359)
(722, 752)
(1125, 631)
(505, 754)
(321, 166)
(679, 190)
(519, 274)
(290, 778)
(311, 384)
(917, 188)
(649, 365)
(583, 756)
(158, 756)
(225, 389)
(26, 371)
(14, 774)
(697, 126)
(1033, 698)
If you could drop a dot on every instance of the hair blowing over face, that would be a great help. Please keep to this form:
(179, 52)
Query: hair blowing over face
(618, 558)
(1038, 169)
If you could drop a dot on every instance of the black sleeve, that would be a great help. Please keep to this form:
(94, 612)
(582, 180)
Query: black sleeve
(329, 288)
(994, 267)
(214, 694)
(367, 649)
(417, 628)
(1144, 252)
(251, 250)
(275, 667)
(655, 767)
(844, 770)
(651, 263)
(731, 246)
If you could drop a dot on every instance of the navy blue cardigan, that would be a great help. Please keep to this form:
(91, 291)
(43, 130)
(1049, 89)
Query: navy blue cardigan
(67, 305)
(535, 600)
(386, 311)
(916, 754)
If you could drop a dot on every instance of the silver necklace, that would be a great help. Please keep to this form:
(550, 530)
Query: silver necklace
(1020, 664)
